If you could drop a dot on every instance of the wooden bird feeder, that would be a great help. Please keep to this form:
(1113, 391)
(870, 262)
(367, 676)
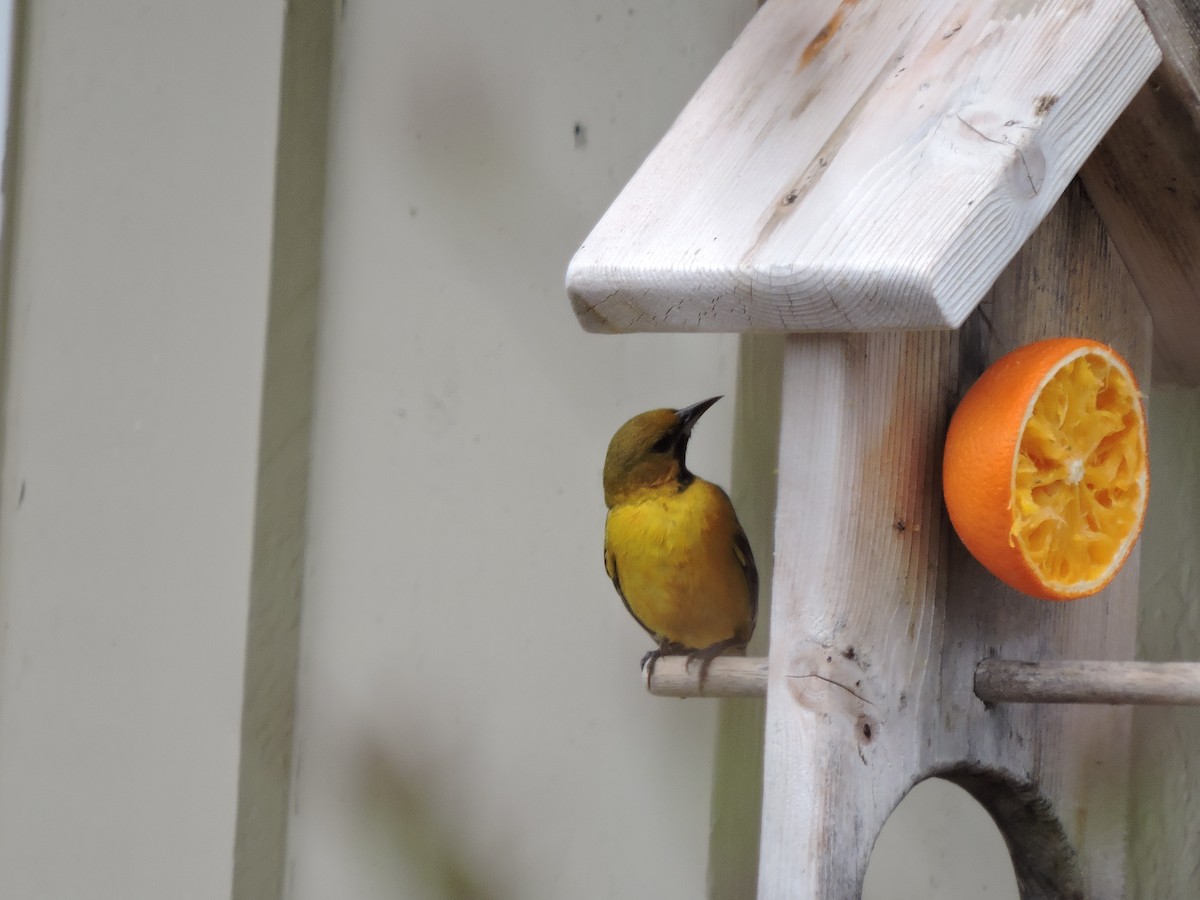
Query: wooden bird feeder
(911, 189)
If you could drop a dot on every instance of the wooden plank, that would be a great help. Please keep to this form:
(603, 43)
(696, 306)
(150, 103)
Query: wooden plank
(860, 165)
(878, 625)
(1145, 181)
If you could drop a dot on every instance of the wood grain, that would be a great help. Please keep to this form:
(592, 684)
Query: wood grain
(880, 616)
(859, 551)
(861, 165)
(1145, 181)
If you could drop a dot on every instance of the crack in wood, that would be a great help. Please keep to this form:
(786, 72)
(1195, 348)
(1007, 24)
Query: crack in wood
(1033, 185)
(849, 691)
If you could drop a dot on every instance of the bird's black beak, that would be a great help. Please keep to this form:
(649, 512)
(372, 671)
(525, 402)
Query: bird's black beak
(689, 414)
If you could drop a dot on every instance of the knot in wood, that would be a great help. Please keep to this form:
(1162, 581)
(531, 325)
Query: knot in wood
(830, 679)
(1014, 139)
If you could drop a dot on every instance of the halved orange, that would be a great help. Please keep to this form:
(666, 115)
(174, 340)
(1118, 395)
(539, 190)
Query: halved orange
(1045, 471)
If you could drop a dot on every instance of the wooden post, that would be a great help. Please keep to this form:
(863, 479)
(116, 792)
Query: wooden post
(880, 616)
(858, 547)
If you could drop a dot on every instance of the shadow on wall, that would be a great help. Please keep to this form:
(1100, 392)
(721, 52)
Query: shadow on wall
(401, 818)
(495, 209)
(479, 186)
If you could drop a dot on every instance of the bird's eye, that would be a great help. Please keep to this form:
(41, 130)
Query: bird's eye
(664, 443)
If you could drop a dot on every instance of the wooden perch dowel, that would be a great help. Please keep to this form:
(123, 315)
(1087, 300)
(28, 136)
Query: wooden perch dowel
(996, 681)
(1081, 681)
(727, 676)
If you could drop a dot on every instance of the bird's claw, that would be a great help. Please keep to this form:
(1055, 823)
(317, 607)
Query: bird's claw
(651, 657)
(705, 654)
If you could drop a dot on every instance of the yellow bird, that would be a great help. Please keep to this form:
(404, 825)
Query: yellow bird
(673, 545)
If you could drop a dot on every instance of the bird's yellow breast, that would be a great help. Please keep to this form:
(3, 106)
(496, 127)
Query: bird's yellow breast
(673, 554)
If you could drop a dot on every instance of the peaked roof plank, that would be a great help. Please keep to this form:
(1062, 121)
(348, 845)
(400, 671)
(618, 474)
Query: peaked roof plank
(861, 165)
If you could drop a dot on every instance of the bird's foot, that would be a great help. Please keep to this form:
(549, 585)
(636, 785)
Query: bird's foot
(707, 654)
(653, 656)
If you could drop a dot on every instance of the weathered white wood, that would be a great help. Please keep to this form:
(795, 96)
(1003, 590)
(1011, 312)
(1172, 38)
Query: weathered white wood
(858, 545)
(1087, 681)
(1145, 181)
(880, 617)
(861, 165)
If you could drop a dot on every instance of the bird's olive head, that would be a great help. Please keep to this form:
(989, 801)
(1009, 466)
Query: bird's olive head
(650, 450)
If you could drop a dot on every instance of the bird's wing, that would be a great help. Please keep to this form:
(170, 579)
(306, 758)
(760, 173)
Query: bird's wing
(610, 566)
(745, 558)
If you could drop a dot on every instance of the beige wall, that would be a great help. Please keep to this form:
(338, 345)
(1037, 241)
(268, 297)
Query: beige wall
(470, 720)
(140, 223)
(1164, 836)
